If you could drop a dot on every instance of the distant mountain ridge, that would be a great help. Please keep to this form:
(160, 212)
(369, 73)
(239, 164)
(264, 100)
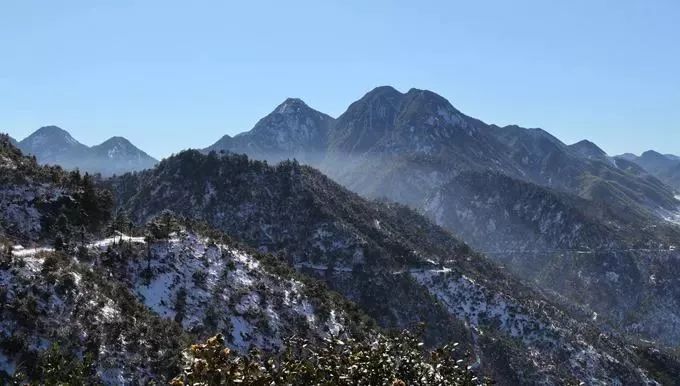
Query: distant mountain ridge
(404, 145)
(530, 200)
(665, 167)
(54, 145)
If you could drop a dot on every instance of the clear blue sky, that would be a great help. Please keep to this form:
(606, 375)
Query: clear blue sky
(170, 75)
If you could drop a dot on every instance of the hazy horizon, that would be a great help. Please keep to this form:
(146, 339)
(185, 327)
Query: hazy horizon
(168, 76)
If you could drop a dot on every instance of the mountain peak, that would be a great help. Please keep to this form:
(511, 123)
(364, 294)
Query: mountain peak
(654, 155)
(53, 133)
(382, 92)
(121, 148)
(588, 149)
(49, 136)
(116, 141)
(292, 106)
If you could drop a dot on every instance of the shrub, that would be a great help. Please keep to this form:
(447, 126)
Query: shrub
(387, 360)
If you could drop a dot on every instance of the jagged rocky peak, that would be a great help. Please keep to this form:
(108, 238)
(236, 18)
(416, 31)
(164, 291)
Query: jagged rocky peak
(292, 106)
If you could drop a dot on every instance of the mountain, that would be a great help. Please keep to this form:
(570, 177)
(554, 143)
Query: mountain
(589, 150)
(121, 310)
(664, 167)
(534, 203)
(117, 156)
(36, 200)
(158, 297)
(396, 265)
(406, 145)
(292, 130)
(609, 262)
(55, 146)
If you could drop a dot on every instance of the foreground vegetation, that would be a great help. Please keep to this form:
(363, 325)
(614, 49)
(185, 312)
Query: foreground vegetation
(396, 360)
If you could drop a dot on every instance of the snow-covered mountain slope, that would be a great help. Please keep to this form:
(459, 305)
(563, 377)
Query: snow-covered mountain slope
(50, 299)
(125, 303)
(382, 257)
(54, 146)
(34, 198)
(597, 258)
(209, 287)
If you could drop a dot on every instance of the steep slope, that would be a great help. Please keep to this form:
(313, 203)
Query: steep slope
(292, 130)
(54, 146)
(37, 201)
(125, 304)
(404, 145)
(605, 260)
(400, 268)
(120, 310)
(549, 162)
(50, 300)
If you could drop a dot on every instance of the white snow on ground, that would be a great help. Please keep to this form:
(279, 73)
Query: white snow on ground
(19, 206)
(19, 251)
(119, 237)
(468, 301)
(670, 216)
(59, 311)
(218, 288)
(474, 304)
(226, 290)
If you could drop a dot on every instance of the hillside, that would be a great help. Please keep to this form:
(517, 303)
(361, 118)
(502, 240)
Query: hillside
(396, 265)
(121, 309)
(38, 202)
(665, 167)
